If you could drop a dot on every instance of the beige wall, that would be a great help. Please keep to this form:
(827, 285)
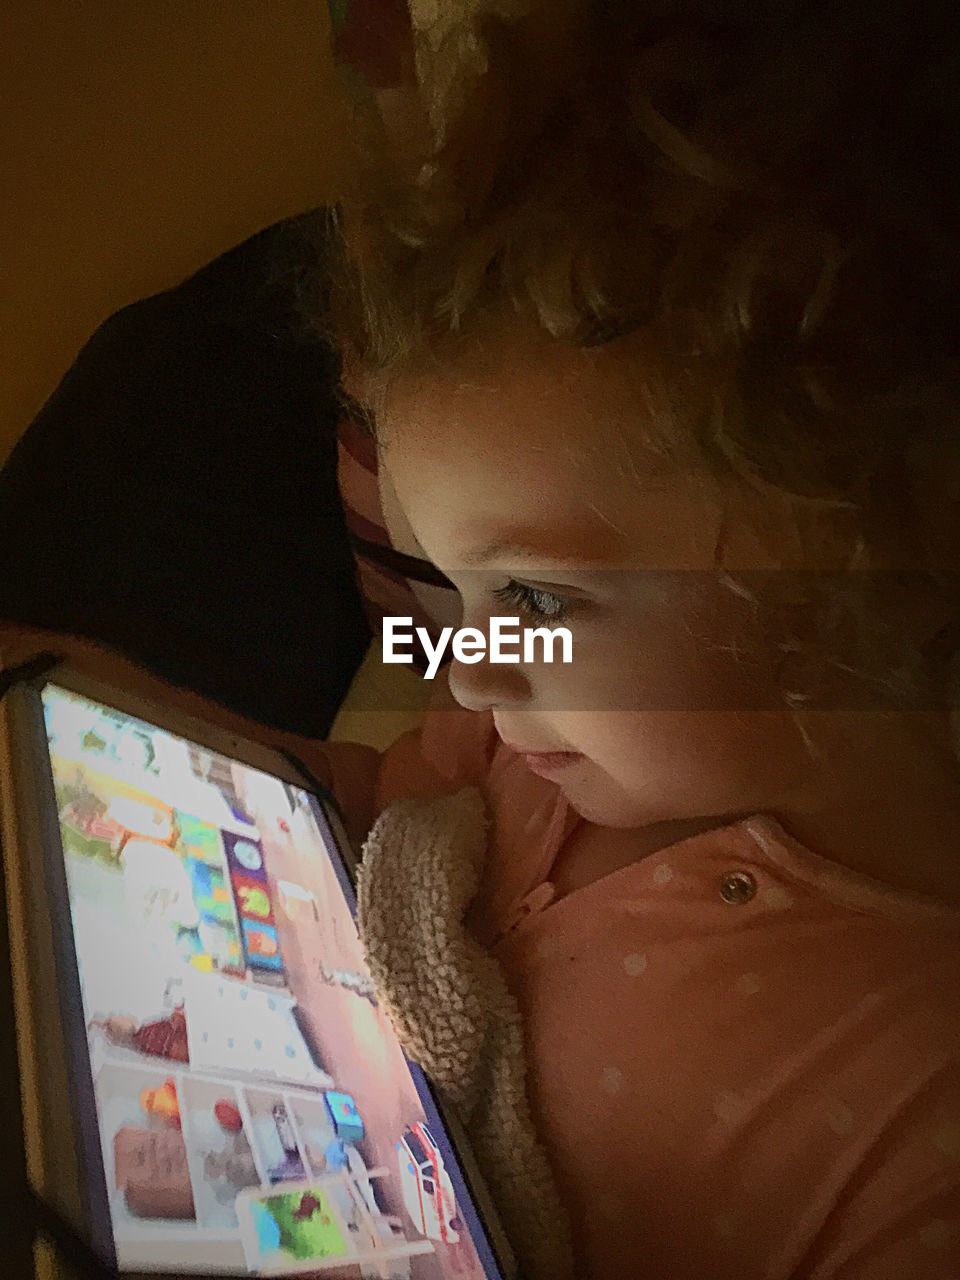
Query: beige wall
(138, 141)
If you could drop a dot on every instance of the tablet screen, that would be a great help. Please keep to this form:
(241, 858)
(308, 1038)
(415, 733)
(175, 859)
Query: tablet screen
(254, 1111)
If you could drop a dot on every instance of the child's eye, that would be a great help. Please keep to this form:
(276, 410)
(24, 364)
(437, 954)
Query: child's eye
(535, 603)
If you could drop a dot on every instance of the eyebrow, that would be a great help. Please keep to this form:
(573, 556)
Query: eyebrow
(522, 554)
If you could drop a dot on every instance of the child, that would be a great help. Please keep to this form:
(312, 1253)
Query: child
(656, 317)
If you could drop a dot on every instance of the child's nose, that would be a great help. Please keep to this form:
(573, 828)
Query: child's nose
(481, 686)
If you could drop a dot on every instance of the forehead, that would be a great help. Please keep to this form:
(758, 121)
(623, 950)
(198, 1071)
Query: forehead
(522, 396)
(582, 447)
(534, 436)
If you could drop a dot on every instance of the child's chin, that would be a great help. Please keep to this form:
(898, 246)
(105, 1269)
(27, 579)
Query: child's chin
(603, 806)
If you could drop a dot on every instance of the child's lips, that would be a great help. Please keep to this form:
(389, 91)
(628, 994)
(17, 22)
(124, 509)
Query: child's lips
(546, 763)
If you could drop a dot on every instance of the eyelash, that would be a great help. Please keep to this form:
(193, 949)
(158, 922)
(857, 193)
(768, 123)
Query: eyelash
(536, 604)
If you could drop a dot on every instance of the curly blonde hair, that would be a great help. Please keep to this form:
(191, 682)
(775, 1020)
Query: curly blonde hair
(768, 190)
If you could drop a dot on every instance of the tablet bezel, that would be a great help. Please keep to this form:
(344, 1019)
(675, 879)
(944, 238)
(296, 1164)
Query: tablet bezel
(30, 830)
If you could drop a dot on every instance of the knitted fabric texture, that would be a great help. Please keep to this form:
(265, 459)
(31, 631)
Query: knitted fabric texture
(450, 1005)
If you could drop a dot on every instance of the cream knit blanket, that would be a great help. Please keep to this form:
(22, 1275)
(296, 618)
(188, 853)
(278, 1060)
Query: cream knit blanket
(451, 1008)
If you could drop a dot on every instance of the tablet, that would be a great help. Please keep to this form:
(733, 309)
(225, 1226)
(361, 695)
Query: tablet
(210, 1084)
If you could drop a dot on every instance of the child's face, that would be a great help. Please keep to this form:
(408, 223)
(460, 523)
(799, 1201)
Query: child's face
(515, 478)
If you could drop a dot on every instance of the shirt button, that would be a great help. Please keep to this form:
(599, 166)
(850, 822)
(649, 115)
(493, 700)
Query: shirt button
(737, 887)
